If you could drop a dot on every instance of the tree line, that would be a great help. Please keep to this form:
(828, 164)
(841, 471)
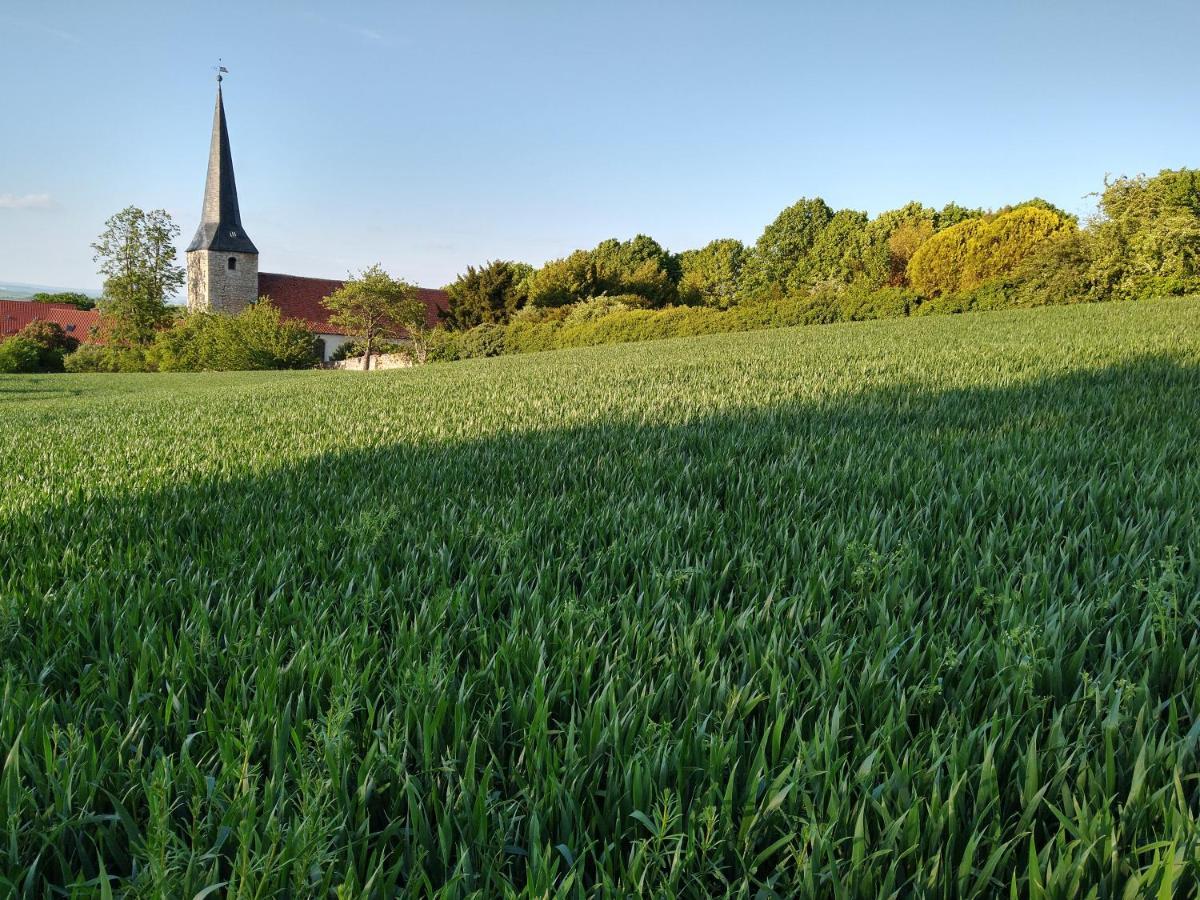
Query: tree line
(816, 264)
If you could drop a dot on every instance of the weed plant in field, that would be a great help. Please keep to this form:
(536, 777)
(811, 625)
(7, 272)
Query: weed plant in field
(893, 609)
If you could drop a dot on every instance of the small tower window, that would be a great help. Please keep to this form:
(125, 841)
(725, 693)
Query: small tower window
(232, 263)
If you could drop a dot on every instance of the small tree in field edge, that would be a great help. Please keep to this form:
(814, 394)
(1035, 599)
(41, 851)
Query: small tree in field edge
(375, 307)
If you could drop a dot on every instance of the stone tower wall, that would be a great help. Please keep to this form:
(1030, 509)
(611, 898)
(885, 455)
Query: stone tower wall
(212, 287)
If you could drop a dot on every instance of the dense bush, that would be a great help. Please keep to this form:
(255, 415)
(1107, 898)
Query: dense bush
(256, 338)
(1146, 238)
(482, 340)
(1057, 272)
(38, 347)
(597, 308)
(489, 294)
(50, 336)
(102, 358)
(527, 336)
(607, 320)
(20, 354)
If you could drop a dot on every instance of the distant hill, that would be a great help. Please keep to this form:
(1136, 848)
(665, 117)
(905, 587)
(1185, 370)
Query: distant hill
(15, 290)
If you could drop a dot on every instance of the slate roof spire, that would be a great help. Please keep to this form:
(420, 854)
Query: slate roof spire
(221, 222)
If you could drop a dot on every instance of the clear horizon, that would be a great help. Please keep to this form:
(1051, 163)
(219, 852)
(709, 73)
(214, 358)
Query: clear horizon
(430, 140)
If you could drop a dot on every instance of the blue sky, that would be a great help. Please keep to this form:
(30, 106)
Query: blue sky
(430, 136)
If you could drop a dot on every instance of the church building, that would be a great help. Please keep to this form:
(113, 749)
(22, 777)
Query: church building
(222, 261)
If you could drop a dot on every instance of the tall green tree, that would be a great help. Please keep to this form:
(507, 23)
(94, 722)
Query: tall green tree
(952, 213)
(136, 253)
(1147, 235)
(836, 256)
(567, 280)
(639, 270)
(784, 243)
(375, 308)
(711, 275)
(487, 295)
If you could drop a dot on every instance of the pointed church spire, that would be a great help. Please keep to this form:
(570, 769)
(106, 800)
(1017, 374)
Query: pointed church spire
(221, 222)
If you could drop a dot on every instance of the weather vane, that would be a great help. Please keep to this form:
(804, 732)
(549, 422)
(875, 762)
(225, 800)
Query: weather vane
(221, 70)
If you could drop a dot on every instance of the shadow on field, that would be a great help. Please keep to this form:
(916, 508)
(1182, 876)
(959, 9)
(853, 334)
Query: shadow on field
(417, 650)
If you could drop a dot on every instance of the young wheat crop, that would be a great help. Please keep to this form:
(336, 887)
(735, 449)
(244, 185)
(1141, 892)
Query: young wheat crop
(905, 608)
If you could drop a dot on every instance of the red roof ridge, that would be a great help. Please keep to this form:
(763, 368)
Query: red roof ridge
(440, 290)
(305, 277)
(49, 303)
(299, 297)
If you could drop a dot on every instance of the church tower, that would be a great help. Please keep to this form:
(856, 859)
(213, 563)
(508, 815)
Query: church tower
(222, 261)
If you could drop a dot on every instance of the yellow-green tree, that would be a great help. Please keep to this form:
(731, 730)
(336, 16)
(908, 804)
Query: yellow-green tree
(966, 255)
(937, 266)
(1007, 240)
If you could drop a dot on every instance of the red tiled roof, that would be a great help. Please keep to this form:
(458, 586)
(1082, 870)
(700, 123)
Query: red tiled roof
(16, 314)
(300, 298)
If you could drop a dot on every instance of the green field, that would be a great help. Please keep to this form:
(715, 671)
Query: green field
(888, 609)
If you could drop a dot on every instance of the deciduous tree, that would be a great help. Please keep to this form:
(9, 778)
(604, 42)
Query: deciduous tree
(711, 275)
(136, 252)
(836, 256)
(974, 251)
(375, 307)
(639, 267)
(786, 241)
(1147, 235)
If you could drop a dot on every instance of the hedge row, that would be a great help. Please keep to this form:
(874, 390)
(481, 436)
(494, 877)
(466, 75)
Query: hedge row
(609, 321)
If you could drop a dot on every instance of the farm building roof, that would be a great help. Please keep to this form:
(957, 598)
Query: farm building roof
(16, 314)
(299, 297)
